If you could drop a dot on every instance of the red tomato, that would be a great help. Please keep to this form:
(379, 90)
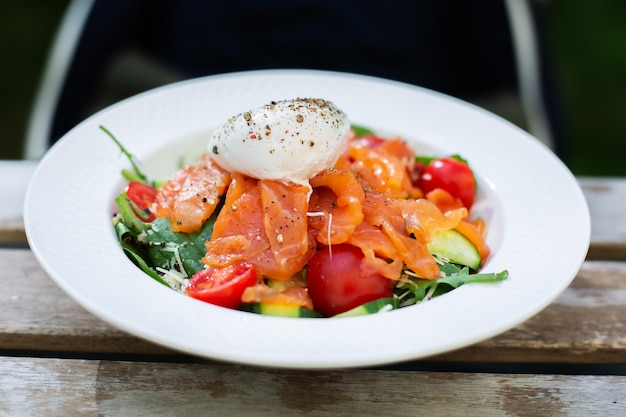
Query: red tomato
(222, 286)
(144, 196)
(415, 173)
(452, 175)
(335, 282)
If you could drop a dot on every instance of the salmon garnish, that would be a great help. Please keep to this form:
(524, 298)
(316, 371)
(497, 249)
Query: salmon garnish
(409, 225)
(444, 200)
(381, 255)
(262, 222)
(238, 230)
(285, 223)
(191, 195)
(474, 230)
(335, 208)
(383, 168)
(367, 200)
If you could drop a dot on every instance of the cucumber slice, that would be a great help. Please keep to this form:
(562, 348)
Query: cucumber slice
(280, 285)
(279, 310)
(277, 284)
(456, 248)
(376, 306)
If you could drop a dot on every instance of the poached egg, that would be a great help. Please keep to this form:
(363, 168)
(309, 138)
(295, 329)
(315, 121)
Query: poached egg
(289, 140)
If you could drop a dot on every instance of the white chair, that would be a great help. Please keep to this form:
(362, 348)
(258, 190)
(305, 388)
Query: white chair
(59, 59)
(528, 69)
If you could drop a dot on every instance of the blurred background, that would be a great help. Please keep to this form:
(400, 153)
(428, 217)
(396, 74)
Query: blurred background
(587, 42)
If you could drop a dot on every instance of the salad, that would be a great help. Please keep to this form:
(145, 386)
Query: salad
(294, 212)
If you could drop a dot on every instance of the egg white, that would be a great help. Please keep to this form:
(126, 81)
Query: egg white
(288, 140)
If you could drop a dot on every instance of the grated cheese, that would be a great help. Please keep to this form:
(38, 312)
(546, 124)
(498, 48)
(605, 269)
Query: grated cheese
(330, 224)
(315, 214)
(177, 258)
(174, 278)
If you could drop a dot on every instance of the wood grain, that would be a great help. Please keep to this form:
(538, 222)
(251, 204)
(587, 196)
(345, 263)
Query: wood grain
(42, 330)
(12, 232)
(584, 325)
(63, 387)
(606, 198)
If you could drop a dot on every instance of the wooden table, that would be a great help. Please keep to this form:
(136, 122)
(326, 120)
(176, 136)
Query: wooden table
(570, 359)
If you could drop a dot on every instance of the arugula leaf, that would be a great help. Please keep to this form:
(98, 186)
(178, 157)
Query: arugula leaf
(136, 251)
(174, 250)
(360, 130)
(454, 276)
(152, 245)
(135, 174)
(128, 213)
(425, 160)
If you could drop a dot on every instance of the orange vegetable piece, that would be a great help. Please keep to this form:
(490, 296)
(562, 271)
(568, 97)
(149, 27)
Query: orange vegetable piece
(474, 231)
(444, 200)
(291, 296)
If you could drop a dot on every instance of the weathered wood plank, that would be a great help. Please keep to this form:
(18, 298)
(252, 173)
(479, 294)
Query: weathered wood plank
(584, 325)
(14, 179)
(12, 232)
(606, 198)
(62, 387)
(35, 314)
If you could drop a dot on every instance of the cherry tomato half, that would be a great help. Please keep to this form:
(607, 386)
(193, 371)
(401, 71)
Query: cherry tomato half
(143, 196)
(222, 286)
(335, 282)
(452, 175)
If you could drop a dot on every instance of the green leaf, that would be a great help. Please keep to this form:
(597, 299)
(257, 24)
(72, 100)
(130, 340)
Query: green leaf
(128, 211)
(154, 244)
(136, 251)
(175, 250)
(459, 158)
(453, 277)
(361, 130)
(135, 174)
(425, 160)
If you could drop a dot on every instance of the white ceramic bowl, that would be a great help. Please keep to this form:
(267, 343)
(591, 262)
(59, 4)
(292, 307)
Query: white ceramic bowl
(537, 217)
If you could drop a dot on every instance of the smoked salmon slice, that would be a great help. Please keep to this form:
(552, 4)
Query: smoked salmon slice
(262, 222)
(409, 225)
(380, 253)
(366, 200)
(191, 195)
(384, 168)
(238, 230)
(285, 224)
(335, 208)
